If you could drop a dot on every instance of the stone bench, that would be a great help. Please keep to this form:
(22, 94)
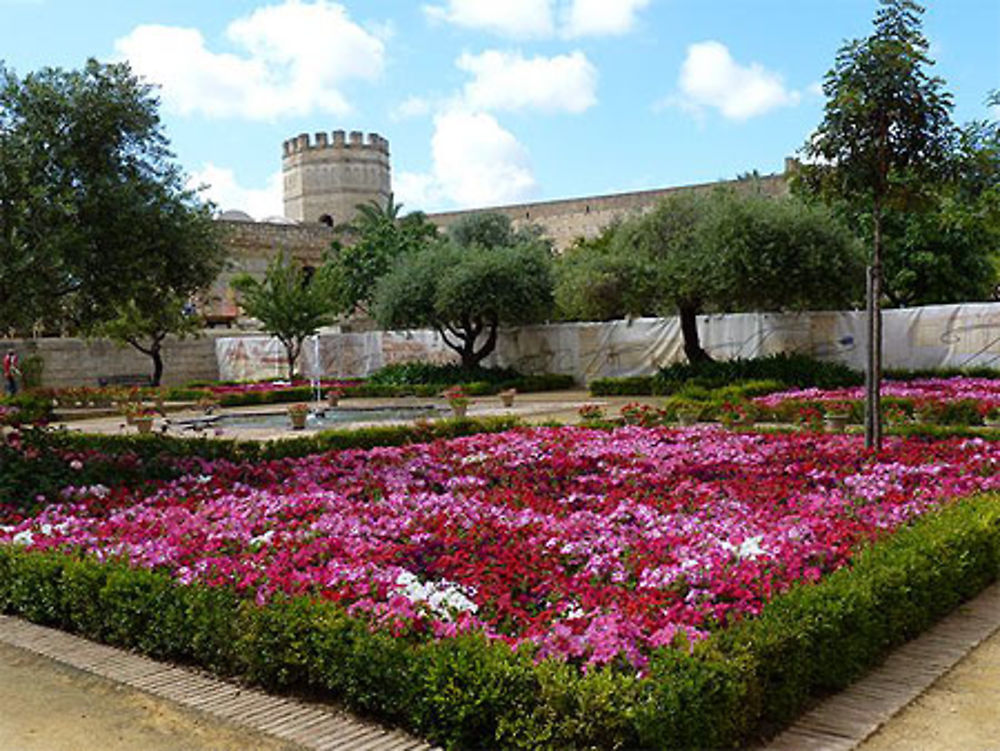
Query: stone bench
(128, 379)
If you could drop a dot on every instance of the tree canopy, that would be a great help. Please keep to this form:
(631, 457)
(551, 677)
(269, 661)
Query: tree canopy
(724, 251)
(90, 199)
(885, 142)
(484, 274)
(376, 238)
(290, 302)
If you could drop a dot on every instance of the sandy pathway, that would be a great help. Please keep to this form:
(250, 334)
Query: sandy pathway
(47, 706)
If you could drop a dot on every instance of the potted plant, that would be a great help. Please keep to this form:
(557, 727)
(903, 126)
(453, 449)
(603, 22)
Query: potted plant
(836, 415)
(207, 402)
(507, 397)
(590, 414)
(142, 418)
(458, 400)
(688, 412)
(333, 396)
(298, 413)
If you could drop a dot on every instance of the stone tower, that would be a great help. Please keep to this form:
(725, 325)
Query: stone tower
(325, 179)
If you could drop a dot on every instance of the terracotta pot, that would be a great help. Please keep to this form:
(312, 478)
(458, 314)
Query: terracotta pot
(143, 424)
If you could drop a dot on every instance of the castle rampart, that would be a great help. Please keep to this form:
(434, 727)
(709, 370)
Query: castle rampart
(565, 220)
(327, 176)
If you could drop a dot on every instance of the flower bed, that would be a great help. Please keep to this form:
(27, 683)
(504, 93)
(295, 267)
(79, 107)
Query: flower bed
(591, 546)
(985, 391)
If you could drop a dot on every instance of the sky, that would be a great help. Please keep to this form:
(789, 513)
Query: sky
(490, 102)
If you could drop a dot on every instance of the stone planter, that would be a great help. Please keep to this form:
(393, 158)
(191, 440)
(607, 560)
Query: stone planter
(459, 410)
(143, 424)
(298, 419)
(507, 398)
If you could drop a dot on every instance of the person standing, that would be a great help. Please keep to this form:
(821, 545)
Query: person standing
(11, 371)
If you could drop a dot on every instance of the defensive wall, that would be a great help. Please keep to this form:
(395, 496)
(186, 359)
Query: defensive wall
(938, 336)
(566, 220)
(80, 362)
(252, 245)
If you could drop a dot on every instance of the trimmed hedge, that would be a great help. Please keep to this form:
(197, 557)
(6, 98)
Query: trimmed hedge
(468, 693)
(787, 370)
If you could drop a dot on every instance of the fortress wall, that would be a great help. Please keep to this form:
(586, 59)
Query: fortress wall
(566, 220)
(78, 362)
(251, 247)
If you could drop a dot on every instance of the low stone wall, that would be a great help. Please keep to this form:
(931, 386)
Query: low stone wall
(78, 362)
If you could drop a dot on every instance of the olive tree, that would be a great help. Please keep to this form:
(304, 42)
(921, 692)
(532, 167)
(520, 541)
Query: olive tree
(469, 284)
(723, 251)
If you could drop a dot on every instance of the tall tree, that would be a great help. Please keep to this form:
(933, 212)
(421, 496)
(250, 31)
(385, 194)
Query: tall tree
(291, 303)
(724, 251)
(467, 291)
(88, 194)
(371, 244)
(886, 132)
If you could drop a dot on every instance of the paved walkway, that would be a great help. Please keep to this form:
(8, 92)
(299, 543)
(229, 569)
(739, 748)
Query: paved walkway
(90, 696)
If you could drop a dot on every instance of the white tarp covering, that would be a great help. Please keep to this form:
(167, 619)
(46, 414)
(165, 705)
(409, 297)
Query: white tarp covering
(939, 336)
(251, 358)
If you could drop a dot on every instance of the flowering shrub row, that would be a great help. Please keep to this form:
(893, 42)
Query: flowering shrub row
(589, 546)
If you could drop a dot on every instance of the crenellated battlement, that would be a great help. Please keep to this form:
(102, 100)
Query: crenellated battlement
(338, 139)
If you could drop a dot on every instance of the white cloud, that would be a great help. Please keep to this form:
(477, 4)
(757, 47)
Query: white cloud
(600, 17)
(476, 162)
(294, 59)
(508, 81)
(710, 77)
(413, 106)
(222, 188)
(515, 18)
(524, 19)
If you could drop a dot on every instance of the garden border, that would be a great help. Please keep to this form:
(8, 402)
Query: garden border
(466, 692)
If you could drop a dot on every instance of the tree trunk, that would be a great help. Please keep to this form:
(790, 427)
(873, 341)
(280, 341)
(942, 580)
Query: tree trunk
(689, 331)
(873, 371)
(157, 356)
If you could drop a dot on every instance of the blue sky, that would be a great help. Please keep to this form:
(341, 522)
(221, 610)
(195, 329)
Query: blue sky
(487, 102)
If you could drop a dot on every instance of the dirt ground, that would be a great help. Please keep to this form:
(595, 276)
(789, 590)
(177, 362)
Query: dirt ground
(46, 706)
(960, 712)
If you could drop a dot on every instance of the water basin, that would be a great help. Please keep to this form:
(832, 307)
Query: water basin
(324, 418)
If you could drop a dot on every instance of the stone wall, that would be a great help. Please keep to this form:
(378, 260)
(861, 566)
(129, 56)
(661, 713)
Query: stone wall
(77, 362)
(252, 245)
(566, 220)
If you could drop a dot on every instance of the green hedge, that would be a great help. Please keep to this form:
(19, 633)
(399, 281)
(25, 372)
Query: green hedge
(468, 693)
(787, 370)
